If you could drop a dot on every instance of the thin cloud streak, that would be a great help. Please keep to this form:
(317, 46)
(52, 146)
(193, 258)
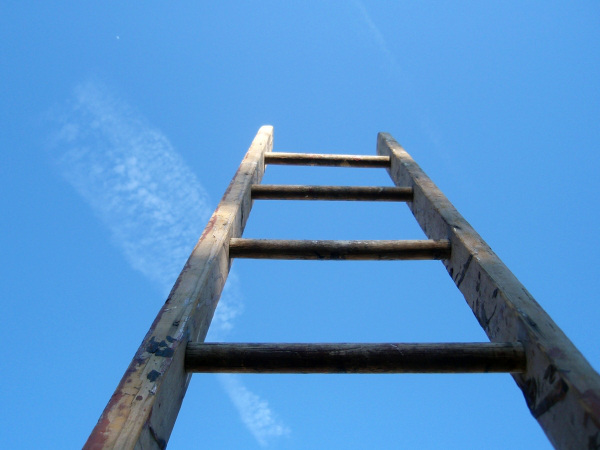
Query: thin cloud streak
(376, 34)
(135, 182)
(254, 411)
(426, 123)
(154, 207)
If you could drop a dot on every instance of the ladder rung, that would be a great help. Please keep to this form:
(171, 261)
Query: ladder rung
(327, 250)
(313, 159)
(361, 193)
(355, 358)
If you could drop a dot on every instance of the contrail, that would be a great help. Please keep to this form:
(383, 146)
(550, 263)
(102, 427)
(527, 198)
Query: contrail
(376, 34)
(153, 206)
(392, 62)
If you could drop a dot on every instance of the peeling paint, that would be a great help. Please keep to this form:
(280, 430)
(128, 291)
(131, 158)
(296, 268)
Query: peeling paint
(160, 348)
(153, 375)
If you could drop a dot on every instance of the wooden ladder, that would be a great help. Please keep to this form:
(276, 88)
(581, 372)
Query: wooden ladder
(560, 387)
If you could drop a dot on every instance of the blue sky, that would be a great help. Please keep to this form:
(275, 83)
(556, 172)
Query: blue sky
(124, 123)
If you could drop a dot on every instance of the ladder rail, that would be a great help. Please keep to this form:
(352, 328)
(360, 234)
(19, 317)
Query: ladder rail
(560, 387)
(143, 409)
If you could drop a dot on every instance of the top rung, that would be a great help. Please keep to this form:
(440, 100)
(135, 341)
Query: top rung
(313, 159)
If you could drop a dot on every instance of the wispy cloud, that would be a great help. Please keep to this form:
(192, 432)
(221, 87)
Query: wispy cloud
(134, 181)
(255, 412)
(153, 205)
(427, 125)
(376, 34)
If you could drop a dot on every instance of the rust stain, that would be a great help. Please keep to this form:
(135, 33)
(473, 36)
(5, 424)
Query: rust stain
(116, 405)
(210, 225)
(101, 431)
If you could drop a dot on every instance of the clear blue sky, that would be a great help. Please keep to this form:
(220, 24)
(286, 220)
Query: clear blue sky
(123, 123)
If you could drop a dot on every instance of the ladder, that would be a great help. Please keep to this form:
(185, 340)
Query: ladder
(560, 387)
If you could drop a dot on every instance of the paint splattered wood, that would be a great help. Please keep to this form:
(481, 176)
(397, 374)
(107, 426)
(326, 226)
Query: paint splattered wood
(560, 387)
(355, 358)
(143, 409)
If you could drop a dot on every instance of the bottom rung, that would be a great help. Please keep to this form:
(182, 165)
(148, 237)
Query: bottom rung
(355, 358)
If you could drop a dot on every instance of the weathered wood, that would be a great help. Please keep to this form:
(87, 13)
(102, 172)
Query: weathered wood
(355, 358)
(143, 409)
(359, 193)
(313, 159)
(338, 250)
(560, 387)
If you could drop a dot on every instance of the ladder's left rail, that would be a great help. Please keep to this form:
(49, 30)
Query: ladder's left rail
(142, 411)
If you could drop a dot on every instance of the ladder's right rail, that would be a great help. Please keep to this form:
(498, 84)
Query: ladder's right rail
(560, 387)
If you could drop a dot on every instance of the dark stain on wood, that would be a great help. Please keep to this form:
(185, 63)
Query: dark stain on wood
(153, 375)
(463, 272)
(160, 348)
(556, 394)
(160, 442)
